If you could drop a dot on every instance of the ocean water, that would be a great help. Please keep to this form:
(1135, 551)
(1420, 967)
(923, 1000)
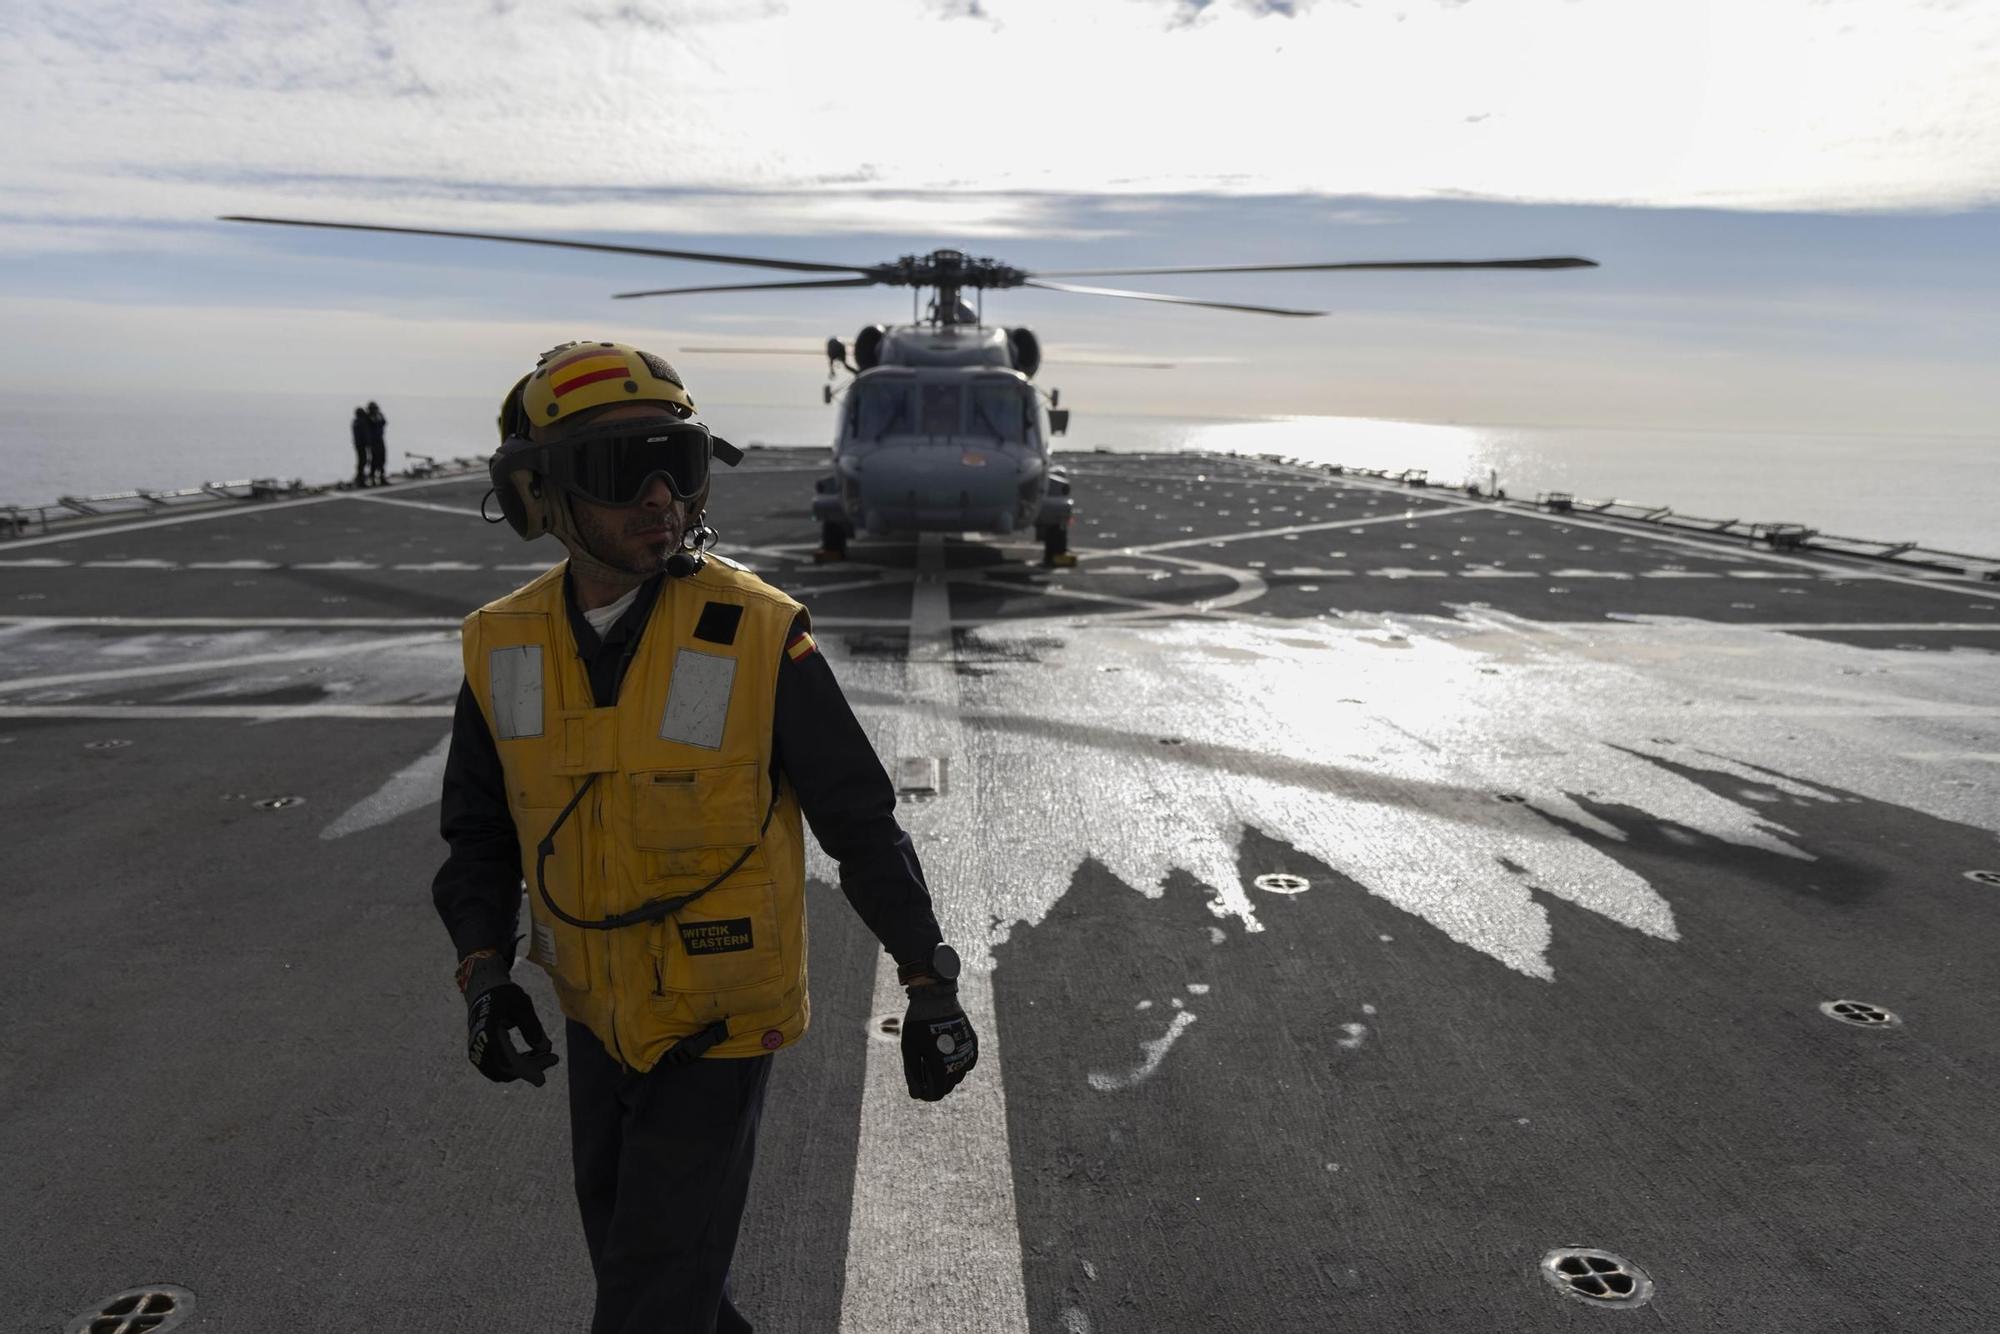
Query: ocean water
(1940, 491)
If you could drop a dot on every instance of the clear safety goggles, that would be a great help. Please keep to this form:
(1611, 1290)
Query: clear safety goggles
(612, 464)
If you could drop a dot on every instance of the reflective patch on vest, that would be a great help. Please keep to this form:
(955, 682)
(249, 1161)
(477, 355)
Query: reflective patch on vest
(698, 700)
(542, 946)
(725, 937)
(718, 622)
(516, 677)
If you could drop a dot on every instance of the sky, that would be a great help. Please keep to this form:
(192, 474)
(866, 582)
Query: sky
(1794, 202)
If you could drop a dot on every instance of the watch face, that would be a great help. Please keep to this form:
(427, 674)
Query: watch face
(944, 962)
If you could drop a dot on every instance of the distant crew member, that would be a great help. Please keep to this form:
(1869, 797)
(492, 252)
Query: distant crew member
(364, 433)
(378, 447)
(639, 733)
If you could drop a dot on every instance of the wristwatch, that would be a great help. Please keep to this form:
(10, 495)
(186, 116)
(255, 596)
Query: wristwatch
(943, 967)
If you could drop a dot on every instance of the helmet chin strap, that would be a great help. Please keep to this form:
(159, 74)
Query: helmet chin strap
(562, 523)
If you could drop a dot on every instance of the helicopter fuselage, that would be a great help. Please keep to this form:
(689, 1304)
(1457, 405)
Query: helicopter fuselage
(942, 434)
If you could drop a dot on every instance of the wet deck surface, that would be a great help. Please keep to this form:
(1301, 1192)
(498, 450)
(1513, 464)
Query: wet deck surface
(1577, 827)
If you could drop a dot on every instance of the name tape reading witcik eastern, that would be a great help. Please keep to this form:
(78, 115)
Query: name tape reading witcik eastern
(722, 937)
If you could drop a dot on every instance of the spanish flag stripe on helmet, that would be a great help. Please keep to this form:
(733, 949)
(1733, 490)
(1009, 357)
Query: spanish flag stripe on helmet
(578, 377)
(588, 354)
(618, 372)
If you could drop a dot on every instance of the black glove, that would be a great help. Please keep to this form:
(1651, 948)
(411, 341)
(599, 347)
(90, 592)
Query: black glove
(939, 1046)
(493, 1006)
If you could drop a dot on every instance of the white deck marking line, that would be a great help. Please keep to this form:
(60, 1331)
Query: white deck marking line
(412, 787)
(1146, 605)
(220, 665)
(1825, 561)
(864, 622)
(1356, 484)
(1675, 622)
(260, 713)
(239, 622)
(458, 510)
(220, 512)
(911, 1265)
(804, 591)
(1331, 525)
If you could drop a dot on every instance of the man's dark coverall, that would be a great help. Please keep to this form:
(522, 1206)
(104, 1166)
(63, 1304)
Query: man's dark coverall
(662, 1159)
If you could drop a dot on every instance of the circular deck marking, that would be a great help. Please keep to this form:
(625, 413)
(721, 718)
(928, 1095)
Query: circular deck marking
(153, 1308)
(1860, 1014)
(1282, 882)
(1596, 1278)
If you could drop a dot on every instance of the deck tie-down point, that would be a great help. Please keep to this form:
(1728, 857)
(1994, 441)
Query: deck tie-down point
(1860, 1014)
(147, 1310)
(1597, 1277)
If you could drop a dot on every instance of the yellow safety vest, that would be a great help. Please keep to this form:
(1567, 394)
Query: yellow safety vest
(683, 788)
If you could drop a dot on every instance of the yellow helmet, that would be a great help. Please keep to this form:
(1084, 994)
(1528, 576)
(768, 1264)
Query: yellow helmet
(575, 377)
(566, 382)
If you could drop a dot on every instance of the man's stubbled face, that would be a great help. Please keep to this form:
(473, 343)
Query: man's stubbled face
(636, 538)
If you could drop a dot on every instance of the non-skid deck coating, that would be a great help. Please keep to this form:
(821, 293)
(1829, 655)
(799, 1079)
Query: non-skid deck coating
(1590, 821)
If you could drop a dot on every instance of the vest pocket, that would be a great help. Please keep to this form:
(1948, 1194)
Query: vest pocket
(679, 809)
(711, 951)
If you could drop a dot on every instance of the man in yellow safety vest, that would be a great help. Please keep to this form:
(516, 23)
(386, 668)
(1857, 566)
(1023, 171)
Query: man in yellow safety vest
(642, 734)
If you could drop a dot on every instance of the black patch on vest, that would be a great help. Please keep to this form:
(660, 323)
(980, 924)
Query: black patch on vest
(718, 622)
(723, 937)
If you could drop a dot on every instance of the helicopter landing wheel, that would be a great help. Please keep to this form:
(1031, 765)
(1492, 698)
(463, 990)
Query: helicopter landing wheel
(832, 543)
(1055, 547)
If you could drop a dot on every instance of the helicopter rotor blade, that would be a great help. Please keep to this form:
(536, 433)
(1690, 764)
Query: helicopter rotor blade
(704, 256)
(749, 287)
(1176, 300)
(1556, 262)
(760, 351)
(1049, 359)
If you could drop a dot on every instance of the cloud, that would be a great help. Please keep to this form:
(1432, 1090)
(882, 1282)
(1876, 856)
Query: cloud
(781, 118)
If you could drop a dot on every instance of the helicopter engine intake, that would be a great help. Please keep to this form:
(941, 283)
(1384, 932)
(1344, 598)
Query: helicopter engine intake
(1026, 350)
(868, 347)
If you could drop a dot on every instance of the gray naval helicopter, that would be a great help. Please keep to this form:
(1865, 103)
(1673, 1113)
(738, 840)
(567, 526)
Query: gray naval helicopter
(941, 428)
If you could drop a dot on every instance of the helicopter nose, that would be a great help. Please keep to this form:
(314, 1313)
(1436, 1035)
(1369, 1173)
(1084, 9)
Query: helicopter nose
(951, 489)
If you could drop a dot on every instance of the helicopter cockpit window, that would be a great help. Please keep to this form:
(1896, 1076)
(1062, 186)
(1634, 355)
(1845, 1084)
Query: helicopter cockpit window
(998, 412)
(941, 409)
(883, 409)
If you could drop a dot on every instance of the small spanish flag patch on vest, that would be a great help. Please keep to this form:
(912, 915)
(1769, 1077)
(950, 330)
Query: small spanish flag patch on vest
(799, 645)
